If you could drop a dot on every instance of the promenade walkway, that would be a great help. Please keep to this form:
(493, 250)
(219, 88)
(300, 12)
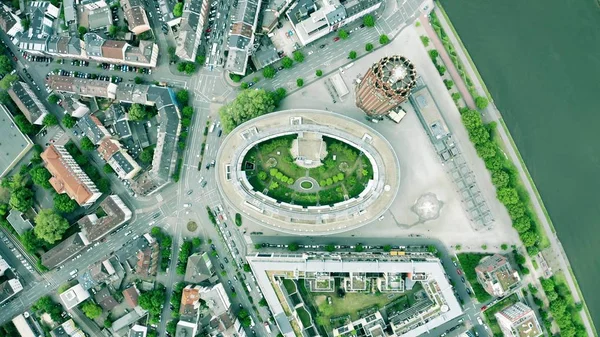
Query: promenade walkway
(492, 114)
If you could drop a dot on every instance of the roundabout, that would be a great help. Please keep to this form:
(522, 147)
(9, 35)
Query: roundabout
(299, 171)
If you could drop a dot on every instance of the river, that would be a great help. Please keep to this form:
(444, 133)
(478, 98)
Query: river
(541, 62)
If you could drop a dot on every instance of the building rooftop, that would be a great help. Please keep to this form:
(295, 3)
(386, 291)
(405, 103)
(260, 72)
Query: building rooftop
(64, 250)
(67, 176)
(190, 303)
(18, 222)
(93, 128)
(23, 326)
(519, 320)
(73, 296)
(131, 296)
(117, 213)
(15, 144)
(138, 331)
(135, 15)
(28, 102)
(9, 288)
(199, 268)
(496, 275)
(105, 299)
(82, 86)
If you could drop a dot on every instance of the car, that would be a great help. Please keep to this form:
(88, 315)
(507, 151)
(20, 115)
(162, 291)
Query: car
(208, 30)
(455, 264)
(280, 68)
(222, 266)
(322, 46)
(479, 320)
(213, 246)
(336, 39)
(229, 281)
(483, 308)
(241, 306)
(208, 166)
(458, 271)
(468, 291)
(203, 184)
(232, 289)
(250, 84)
(187, 205)
(201, 180)
(190, 192)
(235, 278)
(219, 133)
(212, 163)
(226, 260)
(462, 279)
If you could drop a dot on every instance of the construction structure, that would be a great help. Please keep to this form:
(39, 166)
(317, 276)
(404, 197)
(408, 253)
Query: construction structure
(386, 85)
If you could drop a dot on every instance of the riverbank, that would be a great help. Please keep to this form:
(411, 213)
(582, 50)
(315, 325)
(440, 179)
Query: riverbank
(491, 114)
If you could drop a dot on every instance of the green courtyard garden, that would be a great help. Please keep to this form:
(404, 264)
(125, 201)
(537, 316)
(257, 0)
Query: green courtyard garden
(272, 170)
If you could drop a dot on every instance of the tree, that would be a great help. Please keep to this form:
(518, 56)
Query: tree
(330, 248)
(247, 268)
(21, 199)
(181, 67)
(387, 248)
(244, 318)
(247, 105)
(196, 242)
(292, 247)
(178, 9)
(68, 121)
(91, 310)
(147, 154)
(449, 84)
(183, 97)
(171, 327)
(108, 324)
(152, 300)
(22, 122)
(508, 196)
(529, 238)
(369, 20)
(384, 39)
(107, 169)
(342, 34)
(269, 72)
(137, 112)
(5, 65)
(352, 55)
(138, 80)
(520, 259)
(263, 302)
(50, 120)
(359, 248)
(481, 102)
(190, 68)
(53, 99)
(319, 72)
(50, 226)
(516, 210)
(200, 59)
(500, 178)
(41, 176)
(522, 224)
(245, 85)
(287, 62)
(298, 56)
(86, 144)
(82, 30)
(300, 82)
(486, 150)
(8, 80)
(425, 40)
(369, 47)
(112, 30)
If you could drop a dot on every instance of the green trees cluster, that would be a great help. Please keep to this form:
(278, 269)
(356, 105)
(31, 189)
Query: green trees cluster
(332, 180)
(186, 67)
(184, 254)
(137, 112)
(244, 317)
(165, 242)
(503, 177)
(147, 154)
(41, 177)
(563, 311)
(343, 34)
(69, 121)
(152, 300)
(86, 144)
(50, 226)
(63, 203)
(275, 173)
(50, 120)
(369, 20)
(23, 124)
(247, 105)
(91, 310)
(468, 262)
(47, 305)
(178, 9)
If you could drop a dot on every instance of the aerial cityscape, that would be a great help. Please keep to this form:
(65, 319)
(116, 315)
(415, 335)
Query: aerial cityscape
(268, 168)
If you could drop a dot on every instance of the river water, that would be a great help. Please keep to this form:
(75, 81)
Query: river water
(541, 62)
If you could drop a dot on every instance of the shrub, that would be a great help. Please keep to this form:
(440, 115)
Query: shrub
(319, 72)
(384, 39)
(369, 47)
(300, 82)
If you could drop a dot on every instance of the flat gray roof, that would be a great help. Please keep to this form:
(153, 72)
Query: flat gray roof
(14, 144)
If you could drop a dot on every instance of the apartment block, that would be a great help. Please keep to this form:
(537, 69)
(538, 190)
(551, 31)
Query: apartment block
(191, 28)
(68, 177)
(135, 15)
(518, 320)
(241, 38)
(28, 102)
(15, 144)
(114, 214)
(496, 275)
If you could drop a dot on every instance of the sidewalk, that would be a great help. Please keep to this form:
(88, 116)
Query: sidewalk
(491, 114)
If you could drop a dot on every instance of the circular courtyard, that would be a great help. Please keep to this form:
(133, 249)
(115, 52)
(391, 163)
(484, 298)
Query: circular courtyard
(301, 170)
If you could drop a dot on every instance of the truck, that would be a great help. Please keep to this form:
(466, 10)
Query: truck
(397, 116)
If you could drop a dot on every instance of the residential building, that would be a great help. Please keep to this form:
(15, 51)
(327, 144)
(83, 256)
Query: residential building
(189, 312)
(105, 299)
(93, 128)
(272, 12)
(135, 15)
(9, 283)
(496, 275)
(191, 28)
(66, 47)
(120, 52)
(24, 326)
(138, 331)
(131, 296)
(386, 85)
(241, 36)
(3, 266)
(68, 248)
(219, 306)
(95, 15)
(518, 320)
(28, 102)
(74, 107)
(147, 260)
(15, 145)
(199, 268)
(121, 162)
(9, 22)
(166, 9)
(121, 325)
(372, 325)
(97, 274)
(73, 296)
(82, 86)
(68, 177)
(70, 12)
(41, 27)
(97, 225)
(436, 305)
(67, 329)
(313, 19)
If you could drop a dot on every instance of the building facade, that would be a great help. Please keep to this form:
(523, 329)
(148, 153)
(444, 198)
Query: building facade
(386, 85)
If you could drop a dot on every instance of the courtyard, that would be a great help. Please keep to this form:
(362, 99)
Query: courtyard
(320, 171)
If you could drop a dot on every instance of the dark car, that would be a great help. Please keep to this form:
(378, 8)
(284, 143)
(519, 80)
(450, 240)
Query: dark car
(226, 260)
(222, 266)
(213, 246)
(219, 133)
(468, 291)
(462, 279)
(322, 46)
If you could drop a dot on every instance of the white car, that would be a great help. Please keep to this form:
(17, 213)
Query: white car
(479, 320)
(187, 205)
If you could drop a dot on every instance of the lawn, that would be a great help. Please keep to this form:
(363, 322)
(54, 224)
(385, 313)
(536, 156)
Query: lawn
(489, 313)
(468, 262)
(289, 286)
(344, 173)
(304, 317)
